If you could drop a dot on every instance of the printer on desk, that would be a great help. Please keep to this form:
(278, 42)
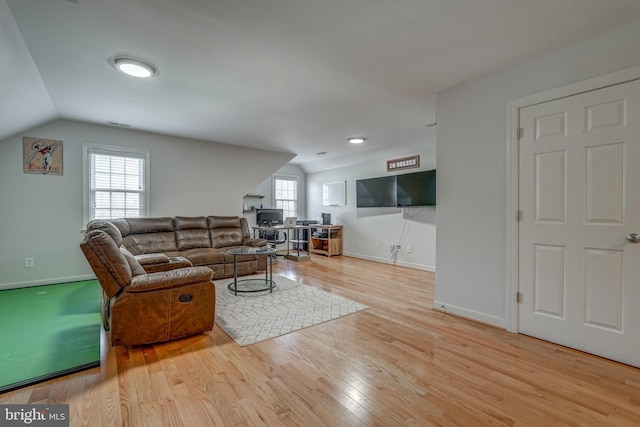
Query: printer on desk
(326, 218)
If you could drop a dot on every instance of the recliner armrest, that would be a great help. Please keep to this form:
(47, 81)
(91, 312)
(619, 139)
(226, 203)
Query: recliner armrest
(148, 259)
(153, 263)
(169, 279)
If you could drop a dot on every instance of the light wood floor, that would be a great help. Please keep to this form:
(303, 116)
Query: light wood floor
(397, 363)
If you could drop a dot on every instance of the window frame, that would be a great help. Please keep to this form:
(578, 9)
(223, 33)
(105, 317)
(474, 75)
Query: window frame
(89, 148)
(294, 178)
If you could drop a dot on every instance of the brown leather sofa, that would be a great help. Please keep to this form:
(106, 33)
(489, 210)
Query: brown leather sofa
(161, 243)
(141, 307)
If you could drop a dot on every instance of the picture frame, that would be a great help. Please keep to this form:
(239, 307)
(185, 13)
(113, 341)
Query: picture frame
(42, 156)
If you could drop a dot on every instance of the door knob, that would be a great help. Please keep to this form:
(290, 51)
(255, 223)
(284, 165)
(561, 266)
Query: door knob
(633, 237)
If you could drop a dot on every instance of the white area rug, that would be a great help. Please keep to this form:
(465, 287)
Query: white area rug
(253, 317)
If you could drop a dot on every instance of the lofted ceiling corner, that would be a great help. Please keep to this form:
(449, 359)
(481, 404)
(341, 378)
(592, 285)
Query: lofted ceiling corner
(25, 100)
(298, 76)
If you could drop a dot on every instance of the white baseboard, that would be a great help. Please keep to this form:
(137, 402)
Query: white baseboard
(17, 285)
(388, 261)
(469, 314)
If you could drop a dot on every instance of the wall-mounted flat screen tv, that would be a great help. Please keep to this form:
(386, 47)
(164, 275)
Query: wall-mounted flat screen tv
(416, 189)
(376, 192)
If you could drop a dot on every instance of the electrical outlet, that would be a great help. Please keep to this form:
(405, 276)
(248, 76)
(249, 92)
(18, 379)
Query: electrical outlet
(28, 262)
(394, 247)
(409, 249)
(377, 245)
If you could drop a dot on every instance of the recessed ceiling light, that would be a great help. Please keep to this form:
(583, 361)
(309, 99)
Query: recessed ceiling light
(357, 140)
(135, 67)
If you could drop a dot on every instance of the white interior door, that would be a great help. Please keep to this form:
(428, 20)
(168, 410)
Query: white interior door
(579, 198)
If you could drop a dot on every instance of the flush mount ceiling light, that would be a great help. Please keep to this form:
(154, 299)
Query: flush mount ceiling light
(356, 140)
(135, 67)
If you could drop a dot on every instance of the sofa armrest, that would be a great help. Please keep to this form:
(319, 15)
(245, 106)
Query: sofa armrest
(169, 279)
(153, 263)
(149, 259)
(256, 243)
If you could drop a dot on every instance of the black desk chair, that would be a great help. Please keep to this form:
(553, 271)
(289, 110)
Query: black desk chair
(273, 238)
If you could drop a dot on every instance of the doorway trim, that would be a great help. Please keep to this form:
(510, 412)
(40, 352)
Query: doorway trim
(513, 171)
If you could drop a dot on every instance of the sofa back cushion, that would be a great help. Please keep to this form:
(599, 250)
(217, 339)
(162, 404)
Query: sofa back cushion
(225, 231)
(191, 232)
(107, 227)
(136, 268)
(147, 235)
(107, 261)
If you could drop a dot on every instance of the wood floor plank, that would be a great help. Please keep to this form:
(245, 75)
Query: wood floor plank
(397, 363)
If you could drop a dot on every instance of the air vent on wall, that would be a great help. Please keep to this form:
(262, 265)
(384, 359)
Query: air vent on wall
(120, 125)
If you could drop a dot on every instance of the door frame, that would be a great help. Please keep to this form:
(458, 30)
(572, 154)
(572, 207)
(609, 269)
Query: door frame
(513, 172)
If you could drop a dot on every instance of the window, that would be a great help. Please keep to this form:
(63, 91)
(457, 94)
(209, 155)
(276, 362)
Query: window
(286, 195)
(115, 181)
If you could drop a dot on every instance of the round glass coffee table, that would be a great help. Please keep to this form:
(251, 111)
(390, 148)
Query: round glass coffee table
(253, 284)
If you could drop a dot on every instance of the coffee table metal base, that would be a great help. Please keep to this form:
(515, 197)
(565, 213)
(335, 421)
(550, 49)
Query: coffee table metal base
(254, 284)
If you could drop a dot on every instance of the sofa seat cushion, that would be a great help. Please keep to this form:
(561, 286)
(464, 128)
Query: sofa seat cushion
(205, 256)
(174, 253)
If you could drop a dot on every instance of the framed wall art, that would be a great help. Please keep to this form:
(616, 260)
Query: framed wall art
(42, 156)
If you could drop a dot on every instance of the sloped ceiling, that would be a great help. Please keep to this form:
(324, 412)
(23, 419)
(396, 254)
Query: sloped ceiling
(24, 100)
(297, 76)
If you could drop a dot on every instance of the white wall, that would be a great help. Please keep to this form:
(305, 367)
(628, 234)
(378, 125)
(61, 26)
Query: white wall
(471, 155)
(42, 216)
(265, 188)
(364, 229)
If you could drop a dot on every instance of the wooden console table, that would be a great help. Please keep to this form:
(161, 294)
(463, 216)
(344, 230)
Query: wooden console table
(326, 240)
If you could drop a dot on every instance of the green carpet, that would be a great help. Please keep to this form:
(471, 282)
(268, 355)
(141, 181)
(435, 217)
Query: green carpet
(48, 331)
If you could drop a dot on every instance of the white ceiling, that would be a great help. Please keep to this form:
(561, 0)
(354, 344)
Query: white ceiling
(297, 76)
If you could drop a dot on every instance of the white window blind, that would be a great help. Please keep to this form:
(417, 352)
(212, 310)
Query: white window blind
(286, 195)
(117, 183)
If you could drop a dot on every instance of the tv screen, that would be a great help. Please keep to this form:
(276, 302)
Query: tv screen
(417, 189)
(269, 217)
(376, 192)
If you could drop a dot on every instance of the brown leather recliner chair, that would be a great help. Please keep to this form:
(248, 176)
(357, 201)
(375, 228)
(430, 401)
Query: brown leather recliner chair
(141, 307)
